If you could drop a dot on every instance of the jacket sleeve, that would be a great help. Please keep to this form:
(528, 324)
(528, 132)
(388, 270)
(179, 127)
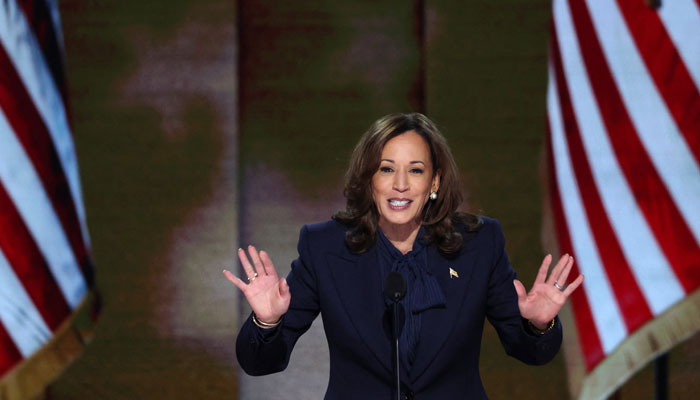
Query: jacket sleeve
(503, 313)
(265, 351)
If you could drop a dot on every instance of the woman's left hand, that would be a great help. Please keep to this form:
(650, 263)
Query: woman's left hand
(548, 295)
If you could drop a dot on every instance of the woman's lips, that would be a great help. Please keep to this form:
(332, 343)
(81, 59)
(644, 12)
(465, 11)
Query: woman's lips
(399, 204)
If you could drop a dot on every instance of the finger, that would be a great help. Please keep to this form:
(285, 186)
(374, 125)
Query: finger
(575, 284)
(565, 273)
(554, 276)
(247, 268)
(544, 267)
(284, 288)
(253, 252)
(285, 294)
(268, 267)
(235, 280)
(520, 289)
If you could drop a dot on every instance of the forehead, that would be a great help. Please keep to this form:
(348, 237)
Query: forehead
(407, 145)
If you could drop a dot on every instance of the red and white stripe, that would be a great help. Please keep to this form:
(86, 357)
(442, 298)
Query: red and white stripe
(45, 269)
(624, 138)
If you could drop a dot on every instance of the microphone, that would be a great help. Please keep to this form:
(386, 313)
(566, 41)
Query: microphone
(395, 287)
(395, 290)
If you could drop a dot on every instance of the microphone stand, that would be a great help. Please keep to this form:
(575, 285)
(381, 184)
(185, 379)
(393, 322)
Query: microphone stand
(396, 349)
(395, 289)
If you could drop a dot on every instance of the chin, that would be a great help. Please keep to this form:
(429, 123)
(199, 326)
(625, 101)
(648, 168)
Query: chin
(397, 221)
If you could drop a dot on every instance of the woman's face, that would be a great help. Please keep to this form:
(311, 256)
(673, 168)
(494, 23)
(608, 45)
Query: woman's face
(403, 182)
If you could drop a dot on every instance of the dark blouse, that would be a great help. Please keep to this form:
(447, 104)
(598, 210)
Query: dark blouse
(423, 291)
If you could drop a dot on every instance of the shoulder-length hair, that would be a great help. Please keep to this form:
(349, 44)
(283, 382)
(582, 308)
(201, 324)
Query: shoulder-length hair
(439, 216)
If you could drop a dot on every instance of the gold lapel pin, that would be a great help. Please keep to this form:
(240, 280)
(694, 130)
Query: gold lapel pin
(453, 273)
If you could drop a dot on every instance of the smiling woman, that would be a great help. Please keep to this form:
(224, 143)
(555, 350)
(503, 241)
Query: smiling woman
(402, 185)
(400, 219)
(389, 138)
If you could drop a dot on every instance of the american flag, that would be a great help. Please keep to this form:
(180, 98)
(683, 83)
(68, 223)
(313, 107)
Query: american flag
(623, 117)
(45, 268)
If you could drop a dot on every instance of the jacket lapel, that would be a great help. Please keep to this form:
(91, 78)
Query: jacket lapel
(437, 324)
(359, 284)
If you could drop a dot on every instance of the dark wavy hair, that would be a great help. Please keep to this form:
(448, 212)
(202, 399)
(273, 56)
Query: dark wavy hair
(438, 216)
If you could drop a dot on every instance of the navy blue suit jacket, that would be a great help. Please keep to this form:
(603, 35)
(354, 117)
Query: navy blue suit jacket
(347, 289)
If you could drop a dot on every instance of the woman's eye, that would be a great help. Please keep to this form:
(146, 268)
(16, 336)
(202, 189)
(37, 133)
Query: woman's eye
(417, 171)
(386, 169)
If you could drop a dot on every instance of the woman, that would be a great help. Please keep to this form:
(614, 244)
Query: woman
(401, 215)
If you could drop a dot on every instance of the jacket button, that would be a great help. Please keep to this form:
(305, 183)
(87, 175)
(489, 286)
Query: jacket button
(408, 395)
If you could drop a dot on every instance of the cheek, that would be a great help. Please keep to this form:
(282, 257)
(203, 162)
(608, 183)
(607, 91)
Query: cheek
(427, 186)
(378, 186)
(376, 192)
(425, 196)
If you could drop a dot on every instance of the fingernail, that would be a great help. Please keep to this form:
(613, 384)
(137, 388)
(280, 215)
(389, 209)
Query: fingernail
(224, 271)
(240, 249)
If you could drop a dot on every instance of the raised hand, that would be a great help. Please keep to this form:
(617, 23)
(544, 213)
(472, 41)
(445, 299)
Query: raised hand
(267, 293)
(548, 294)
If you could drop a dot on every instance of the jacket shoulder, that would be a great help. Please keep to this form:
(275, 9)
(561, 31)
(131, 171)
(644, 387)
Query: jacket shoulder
(327, 233)
(475, 224)
(329, 227)
(489, 224)
(486, 230)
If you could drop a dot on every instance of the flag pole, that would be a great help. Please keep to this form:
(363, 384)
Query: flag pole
(661, 377)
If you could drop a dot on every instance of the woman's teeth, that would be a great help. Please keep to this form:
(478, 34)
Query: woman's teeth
(398, 203)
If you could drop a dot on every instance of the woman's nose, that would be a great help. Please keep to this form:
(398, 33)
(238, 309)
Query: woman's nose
(400, 181)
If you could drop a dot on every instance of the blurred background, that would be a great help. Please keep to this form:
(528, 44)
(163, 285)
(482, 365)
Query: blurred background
(202, 126)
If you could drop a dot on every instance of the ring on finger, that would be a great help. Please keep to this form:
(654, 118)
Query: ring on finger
(252, 278)
(556, 285)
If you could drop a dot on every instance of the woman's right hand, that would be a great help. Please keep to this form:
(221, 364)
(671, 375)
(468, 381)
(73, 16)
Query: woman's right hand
(267, 293)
